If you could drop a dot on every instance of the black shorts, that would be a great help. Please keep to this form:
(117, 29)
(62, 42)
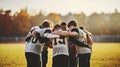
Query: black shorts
(72, 61)
(60, 61)
(33, 60)
(84, 60)
(44, 57)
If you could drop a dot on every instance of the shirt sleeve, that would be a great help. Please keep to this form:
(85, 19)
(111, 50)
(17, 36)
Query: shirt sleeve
(28, 37)
(78, 43)
(75, 41)
(50, 35)
(77, 31)
(47, 31)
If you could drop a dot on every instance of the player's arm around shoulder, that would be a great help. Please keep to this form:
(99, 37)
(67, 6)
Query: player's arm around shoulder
(61, 33)
(74, 32)
(29, 35)
(48, 34)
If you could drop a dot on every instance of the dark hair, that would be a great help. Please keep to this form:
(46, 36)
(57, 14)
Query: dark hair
(72, 23)
(82, 28)
(63, 23)
(56, 27)
(45, 24)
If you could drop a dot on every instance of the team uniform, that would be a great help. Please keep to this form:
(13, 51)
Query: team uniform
(34, 47)
(72, 52)
(60, 50)
(33, 50)
(89, 38)
(45, 45)
(84, 53)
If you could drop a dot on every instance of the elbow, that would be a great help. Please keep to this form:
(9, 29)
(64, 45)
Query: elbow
(46, 35)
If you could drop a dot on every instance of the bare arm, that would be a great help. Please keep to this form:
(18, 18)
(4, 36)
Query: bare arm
(62, 33)
(73, 33)
(50, 35)
(65, 33)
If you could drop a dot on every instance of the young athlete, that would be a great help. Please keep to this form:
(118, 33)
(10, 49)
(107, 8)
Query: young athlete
(88, 36)
(33, 49)
(60, 48)
(71, 48)
(78, 35)
(34, 45)
(45, 53)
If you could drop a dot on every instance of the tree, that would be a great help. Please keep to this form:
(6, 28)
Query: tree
(96, 24)
(115, 22)
(6, 23)
(22, 23)
(55, 18)
(37, 19)
(81, 19)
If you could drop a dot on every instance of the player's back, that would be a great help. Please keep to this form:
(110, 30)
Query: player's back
(82, 38)
(60, 46)
(34, 44)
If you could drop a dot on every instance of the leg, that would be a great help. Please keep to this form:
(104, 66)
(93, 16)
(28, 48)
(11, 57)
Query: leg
(64, 60)
(88, 59)
(44, 57)
(33, 60)
(37, 62)
(72, 61)
(55, 61)
(60, 60)
(28, 59)
(84, 60)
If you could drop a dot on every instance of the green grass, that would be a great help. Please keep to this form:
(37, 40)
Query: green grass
(104, 55)
(12, 55)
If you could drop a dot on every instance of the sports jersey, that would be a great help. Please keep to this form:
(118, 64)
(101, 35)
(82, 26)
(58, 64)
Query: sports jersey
(82, 38)
(60, 44)
(34, 45)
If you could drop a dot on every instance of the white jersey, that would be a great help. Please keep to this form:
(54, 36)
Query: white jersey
(82, 38)
(60, 44)
(34, 44)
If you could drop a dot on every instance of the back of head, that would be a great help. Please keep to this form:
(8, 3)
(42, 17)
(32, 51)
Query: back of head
(45, 24)
(63, 24)
(82, 28)
(72, 23)
(56, 27)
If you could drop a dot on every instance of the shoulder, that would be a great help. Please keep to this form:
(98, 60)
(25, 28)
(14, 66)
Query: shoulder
(47, 31)
(33, 28)
(75, 30)
(87, 32)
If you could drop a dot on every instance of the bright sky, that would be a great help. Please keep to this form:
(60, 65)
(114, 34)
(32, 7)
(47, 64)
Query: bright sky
(62, 6)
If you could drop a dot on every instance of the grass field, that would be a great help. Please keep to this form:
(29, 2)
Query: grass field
(104, 55)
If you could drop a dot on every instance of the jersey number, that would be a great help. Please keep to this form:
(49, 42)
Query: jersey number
(59, 41)
(34, 39)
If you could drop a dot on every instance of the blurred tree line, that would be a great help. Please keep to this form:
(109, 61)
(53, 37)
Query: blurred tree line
(20, 23)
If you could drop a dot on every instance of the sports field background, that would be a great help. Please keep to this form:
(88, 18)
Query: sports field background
(104, 55)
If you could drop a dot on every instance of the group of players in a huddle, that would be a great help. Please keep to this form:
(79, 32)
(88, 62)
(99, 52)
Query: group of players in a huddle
(69, 45)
